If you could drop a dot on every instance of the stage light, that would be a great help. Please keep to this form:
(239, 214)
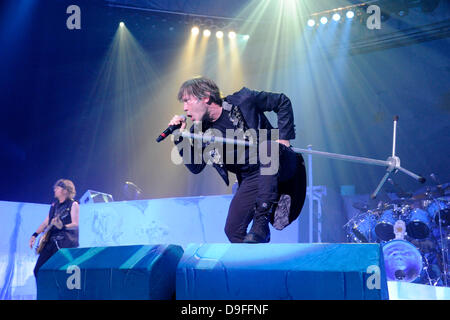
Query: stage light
(206, 33)
(195, 31)
(231, 34)
(121, 24)
(219, 34)
(336, 17)
(311, 22)
(323, 20)
(246, 37)
(350, 14)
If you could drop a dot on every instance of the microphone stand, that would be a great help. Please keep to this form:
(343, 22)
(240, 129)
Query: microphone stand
(392, 163)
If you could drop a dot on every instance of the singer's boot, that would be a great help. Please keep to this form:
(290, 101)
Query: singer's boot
(260, 232)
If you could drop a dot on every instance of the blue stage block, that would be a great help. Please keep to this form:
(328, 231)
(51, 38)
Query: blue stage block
(281, 271)
(123, 272)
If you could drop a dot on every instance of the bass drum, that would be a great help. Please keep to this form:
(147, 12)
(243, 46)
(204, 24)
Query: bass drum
(402, 261)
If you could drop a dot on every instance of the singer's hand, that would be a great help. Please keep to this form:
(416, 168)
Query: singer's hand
(285, 142)
(176, 120)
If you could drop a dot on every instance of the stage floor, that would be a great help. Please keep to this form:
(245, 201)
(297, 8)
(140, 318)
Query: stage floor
(413, 291)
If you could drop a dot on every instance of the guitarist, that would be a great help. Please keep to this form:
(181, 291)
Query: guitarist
(61, 224)
(264, 195)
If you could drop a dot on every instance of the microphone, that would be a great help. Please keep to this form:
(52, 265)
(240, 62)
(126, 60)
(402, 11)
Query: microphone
(169, 130)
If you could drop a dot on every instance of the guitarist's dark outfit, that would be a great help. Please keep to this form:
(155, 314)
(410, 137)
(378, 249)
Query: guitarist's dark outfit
(259, 197)
(58, 238)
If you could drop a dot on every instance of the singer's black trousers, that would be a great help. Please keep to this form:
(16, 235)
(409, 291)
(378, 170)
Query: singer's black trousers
(255, 188)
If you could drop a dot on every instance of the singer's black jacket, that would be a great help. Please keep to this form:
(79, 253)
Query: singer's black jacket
(252, 105)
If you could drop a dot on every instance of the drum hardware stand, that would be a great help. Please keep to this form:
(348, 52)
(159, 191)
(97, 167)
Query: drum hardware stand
(426, 266)
(444, 249)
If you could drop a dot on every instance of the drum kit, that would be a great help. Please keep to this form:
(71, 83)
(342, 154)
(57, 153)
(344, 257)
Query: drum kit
(414, 233)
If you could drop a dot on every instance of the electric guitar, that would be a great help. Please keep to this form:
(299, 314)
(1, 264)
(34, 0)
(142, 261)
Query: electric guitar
(43, 240)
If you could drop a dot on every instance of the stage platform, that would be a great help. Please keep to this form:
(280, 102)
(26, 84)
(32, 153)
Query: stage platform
(185, 222)
(414, 291)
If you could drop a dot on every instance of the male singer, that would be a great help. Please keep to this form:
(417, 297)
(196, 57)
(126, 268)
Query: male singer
(263, 196)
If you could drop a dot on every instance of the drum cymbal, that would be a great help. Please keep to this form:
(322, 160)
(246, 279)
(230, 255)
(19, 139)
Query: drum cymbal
(403, 201)
(364, 206)
(430, 192)
(361, 206)
(402, 260)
